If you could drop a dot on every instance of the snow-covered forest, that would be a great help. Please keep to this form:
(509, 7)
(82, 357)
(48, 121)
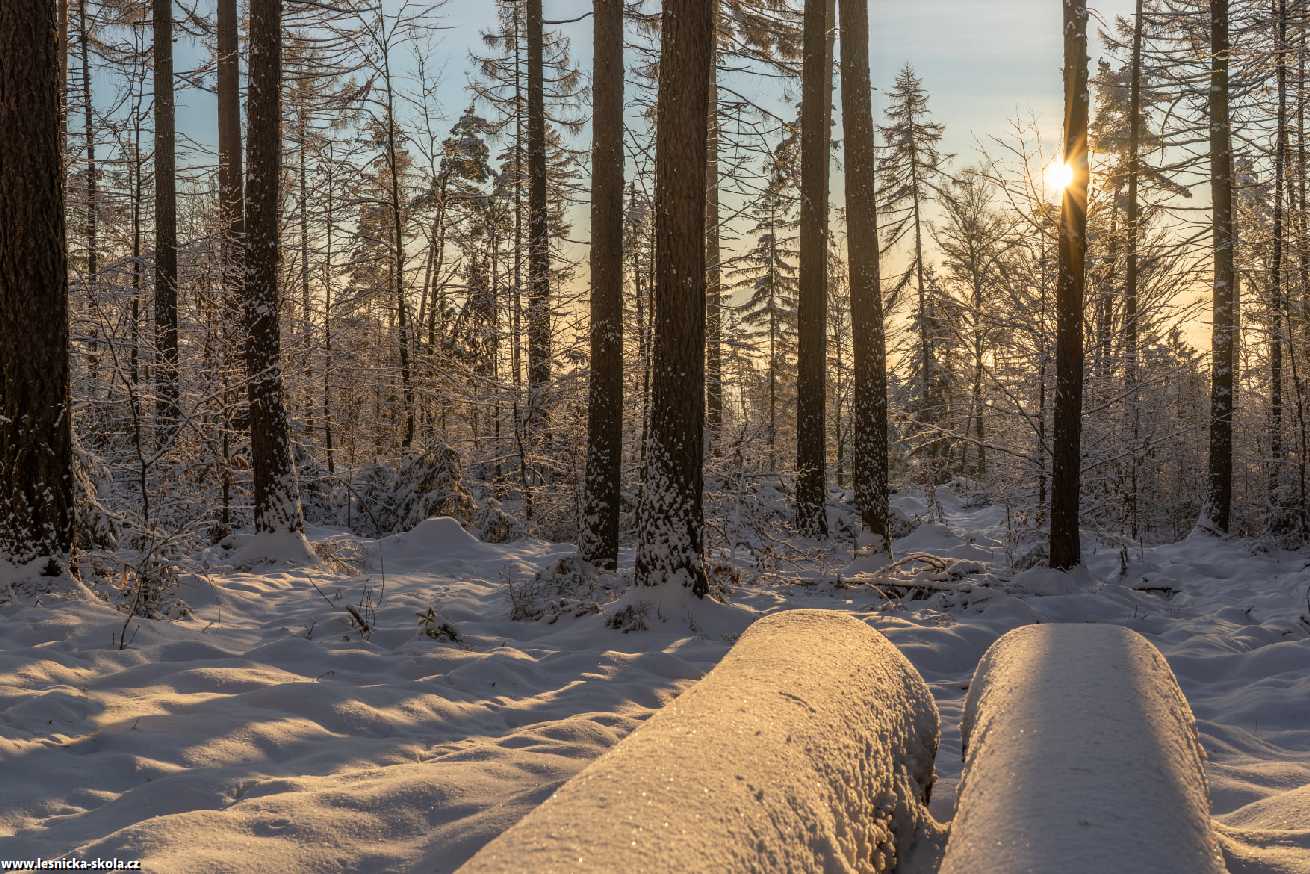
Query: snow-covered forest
(385, 443)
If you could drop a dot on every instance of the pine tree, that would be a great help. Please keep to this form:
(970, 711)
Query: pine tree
(670, 540)
(811, 355)
(600, 536)
(36, 434)
(1217, 512)
(231, 205)
(868, 331)
(277, 495)
(1065, 551)
(167, 405)
(539, 338)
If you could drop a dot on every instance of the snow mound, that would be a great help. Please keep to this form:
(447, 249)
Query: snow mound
(808, 748)
(441, 537)
(275, 547)
(1081, 756)
(1048, 581)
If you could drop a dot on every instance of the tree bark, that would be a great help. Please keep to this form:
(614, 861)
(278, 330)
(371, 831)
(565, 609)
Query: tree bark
(1279, 521)
(713, 255)
(868, 331)
(167, 409)
(671, 536)
(812, 319)
(230, 205)
(398, 254)
(36, 436)
(277, 496)
(92, 194)
(538, 228)
(1217, 512)
(600, 536)
(1130, 272)
(1067, 449)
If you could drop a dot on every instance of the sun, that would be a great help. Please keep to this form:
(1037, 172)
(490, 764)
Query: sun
(1059, 176)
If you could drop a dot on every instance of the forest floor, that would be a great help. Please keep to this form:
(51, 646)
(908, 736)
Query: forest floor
(271, 731)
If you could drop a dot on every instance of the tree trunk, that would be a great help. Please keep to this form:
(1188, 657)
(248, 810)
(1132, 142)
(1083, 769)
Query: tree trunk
(1224, 323)
(1278, 517)
(670, 544)
(1103, 366)
(1067, 449)
(600, 536)
(538, 228)
(398, 258)
(868, 331)
(92, 199)
(812, 319)
(277, 496)
(230, 205)
(167, 410)
(1130, 273)
(329, 225)
(36, 435)
(713, 264)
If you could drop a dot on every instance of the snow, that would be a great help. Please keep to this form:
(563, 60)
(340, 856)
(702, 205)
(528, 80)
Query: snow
(1082, 757)
(264, 732)
(809, 748)
(274, 547)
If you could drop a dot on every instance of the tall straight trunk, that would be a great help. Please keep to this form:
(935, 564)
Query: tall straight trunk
(230, 205)
(868, 331)
(600, 535)
(36, 435)
(306, 315)
(92, 177)
(713, 264)
(138, 199)
(1217, 513)
(927, 414)
(1304, 252)
(516, 353)
(398, 257)
(670, 542)
(277, 495)
(812, 318)
(437, 261)
(1067, 449)
(979, 427)
(1103, 366)
(329, 219)
(167, 409)
(1043, 360)
(538, 228)
(63, 78)
(1130, 272)
(1278, 518)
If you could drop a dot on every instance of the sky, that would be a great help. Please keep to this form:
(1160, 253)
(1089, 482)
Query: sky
(983, 61)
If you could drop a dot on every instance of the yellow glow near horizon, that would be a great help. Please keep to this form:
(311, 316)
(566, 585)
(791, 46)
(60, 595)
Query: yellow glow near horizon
(1059, 176)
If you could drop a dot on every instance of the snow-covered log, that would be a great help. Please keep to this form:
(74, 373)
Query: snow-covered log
(809, 748)
(1081, 756)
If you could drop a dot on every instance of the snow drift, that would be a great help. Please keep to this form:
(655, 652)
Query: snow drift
(808, 748)
(1081, 756)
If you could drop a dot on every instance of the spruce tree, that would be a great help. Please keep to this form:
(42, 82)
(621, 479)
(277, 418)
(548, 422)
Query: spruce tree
(910, 175)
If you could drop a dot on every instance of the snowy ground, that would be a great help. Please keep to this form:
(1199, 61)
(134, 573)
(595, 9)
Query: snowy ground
(265, 732)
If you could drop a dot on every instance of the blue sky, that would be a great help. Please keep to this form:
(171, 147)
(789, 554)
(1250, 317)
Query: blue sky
(983, 61)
